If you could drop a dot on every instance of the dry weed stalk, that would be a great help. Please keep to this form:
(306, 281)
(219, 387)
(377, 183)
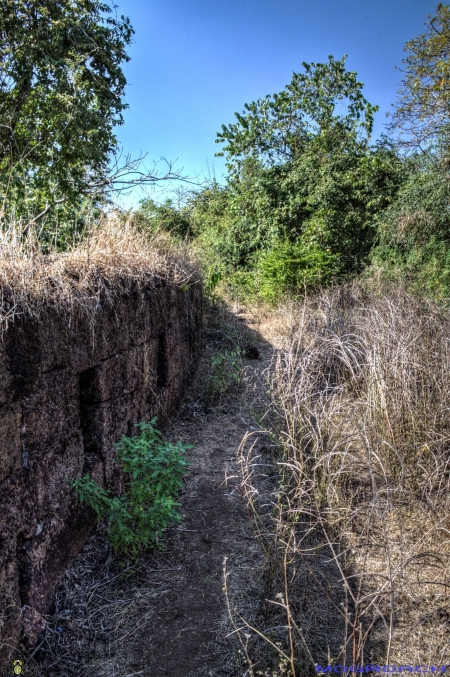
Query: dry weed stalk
(115, 258)
(360, 521)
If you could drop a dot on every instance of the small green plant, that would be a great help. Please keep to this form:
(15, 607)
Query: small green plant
(154, 468)
(224, 371)
(213, 281)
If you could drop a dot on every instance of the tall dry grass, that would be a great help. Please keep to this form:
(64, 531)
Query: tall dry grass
(358, 534)
(115, 257)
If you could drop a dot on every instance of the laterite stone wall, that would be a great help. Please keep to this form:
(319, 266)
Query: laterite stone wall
(69, 389)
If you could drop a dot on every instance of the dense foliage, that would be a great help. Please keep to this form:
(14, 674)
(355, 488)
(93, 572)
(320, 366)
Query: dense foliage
(309, 198)
(414, 231)
(304, 187)
(423, 107)
(61, 94)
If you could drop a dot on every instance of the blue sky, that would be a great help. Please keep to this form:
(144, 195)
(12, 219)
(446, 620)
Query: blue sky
(195, 62)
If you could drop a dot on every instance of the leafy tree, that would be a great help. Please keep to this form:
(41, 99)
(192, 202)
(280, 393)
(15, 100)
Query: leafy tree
(302, 171)
(61, 95)
(423, 109)
(414, 230)
(208, 207)
(290, 266)
(276, 129)
(164, 217)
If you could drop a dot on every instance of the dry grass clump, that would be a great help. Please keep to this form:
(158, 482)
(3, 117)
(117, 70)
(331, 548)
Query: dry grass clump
(115, 258)
(359, 541)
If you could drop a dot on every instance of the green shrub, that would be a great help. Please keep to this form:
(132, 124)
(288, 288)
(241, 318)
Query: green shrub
(414, 231)
(155, 217)
(291, 266)
(211, 282)
(224, 371)
(243, 286)
(154, 468)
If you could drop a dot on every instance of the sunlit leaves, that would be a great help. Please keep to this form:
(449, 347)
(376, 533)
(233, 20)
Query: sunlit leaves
(276, 128)
(61, 95)
(154, 469)
(423, 110)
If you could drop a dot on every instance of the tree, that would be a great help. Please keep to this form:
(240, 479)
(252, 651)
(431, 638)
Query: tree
(165, 217)
(303, 173)
(423, 109)
(61, 94)
(276, 129)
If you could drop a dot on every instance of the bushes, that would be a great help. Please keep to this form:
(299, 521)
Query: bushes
(154, 468)
(224, 371)
(291, 266)
(303, 190)
(414, 231)
(166, 217)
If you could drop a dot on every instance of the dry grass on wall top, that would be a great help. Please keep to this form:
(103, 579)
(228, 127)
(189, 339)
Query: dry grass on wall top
(114, 259)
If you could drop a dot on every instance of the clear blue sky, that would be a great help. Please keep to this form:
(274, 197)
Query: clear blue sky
(195, 62)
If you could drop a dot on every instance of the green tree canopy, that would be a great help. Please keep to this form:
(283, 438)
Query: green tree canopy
(61, 95)
(303, 173)
(276, 128)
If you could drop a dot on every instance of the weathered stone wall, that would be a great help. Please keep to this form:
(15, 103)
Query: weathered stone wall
(68, 391)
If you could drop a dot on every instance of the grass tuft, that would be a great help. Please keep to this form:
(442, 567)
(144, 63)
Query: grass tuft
(114, 258)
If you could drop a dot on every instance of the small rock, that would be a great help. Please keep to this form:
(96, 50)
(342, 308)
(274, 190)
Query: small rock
(33, 625)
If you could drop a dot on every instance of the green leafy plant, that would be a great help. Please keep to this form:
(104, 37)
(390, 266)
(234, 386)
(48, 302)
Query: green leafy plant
(213, 281)
(224, 371)
(154, 468)
(289, 266)
(421, 111)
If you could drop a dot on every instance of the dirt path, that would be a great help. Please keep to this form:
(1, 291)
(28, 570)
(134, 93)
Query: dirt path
(215, 527)
(167, 615)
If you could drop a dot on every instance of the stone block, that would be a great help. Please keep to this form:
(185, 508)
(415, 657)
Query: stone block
(10, 613)
(51, 413)
(69, 389)
(104, 424)
(6, 378)
(113, 378)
